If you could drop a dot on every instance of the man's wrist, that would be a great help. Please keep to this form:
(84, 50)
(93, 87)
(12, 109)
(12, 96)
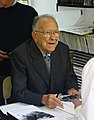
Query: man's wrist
(44, 99)
(71, 89)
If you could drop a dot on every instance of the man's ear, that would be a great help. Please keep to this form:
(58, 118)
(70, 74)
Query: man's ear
(34, 36)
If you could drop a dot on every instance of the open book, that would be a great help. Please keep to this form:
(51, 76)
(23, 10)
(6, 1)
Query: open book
(30, 112)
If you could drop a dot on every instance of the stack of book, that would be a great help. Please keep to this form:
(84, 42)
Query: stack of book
(75, 42)
(71, 2)
(76, 2)
(81, 47)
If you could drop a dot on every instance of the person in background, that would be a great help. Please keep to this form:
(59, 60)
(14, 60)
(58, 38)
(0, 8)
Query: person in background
(85, 108)
(36, 80)
(15, 27)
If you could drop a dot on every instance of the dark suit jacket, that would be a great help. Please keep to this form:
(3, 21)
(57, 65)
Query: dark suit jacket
(30, 78)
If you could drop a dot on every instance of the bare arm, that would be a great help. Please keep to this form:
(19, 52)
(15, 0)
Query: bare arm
(3, 55)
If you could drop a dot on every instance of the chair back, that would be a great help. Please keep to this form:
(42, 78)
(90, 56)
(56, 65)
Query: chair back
(7, 88)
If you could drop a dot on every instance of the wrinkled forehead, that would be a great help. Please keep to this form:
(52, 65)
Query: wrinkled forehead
(47, 22)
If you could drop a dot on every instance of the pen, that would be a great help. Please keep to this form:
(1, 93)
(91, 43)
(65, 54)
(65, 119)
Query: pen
(59, 91)
(57, 95)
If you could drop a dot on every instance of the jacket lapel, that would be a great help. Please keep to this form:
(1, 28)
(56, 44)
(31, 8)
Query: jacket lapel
(38, 62)
(55, 66)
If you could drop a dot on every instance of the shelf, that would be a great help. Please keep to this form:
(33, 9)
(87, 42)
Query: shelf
(79, 30)
(81, 50)
(79, 59)
(77, 6)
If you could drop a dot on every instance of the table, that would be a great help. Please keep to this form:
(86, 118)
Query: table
(57, 112)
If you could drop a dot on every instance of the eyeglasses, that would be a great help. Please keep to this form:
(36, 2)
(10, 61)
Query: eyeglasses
(49, 33)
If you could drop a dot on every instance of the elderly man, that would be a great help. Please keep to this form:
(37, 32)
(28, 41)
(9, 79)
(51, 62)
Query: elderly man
(35, 79)
(15, 27)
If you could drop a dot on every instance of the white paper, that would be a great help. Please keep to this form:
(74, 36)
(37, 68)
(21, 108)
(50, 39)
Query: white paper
(30, 112)
(68, 108)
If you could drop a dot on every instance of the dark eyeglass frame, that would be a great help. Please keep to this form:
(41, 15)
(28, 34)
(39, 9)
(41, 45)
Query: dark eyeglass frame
(49, 33)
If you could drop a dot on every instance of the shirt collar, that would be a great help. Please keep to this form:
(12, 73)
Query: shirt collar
(14, 2)
(44, 53)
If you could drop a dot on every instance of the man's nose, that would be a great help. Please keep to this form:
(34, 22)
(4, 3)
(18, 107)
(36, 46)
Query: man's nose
(52, 36)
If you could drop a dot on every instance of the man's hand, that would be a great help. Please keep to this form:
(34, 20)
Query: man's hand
(76, 102)
(51, 101)
(73, 91)
(3, 55)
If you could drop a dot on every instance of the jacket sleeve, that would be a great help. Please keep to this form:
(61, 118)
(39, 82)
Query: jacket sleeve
(20, 92)
(71, 78)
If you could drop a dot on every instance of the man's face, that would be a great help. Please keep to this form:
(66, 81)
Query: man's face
(6, 3)
(46, 36)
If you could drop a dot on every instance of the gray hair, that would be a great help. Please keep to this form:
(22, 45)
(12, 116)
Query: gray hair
(38, 18)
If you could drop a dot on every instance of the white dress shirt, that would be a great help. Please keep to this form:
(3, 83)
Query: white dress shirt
(14, 2)
(86, 110)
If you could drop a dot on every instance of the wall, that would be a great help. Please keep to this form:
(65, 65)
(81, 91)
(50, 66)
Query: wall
(44, 6)
(90, 16)
(65, 17)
